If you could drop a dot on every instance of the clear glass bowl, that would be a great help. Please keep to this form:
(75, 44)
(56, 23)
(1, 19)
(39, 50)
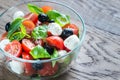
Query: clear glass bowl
(69, 58)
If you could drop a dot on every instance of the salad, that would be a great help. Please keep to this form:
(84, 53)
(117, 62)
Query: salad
(43, 33)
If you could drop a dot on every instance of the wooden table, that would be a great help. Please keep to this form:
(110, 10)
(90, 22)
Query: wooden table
(99, 57)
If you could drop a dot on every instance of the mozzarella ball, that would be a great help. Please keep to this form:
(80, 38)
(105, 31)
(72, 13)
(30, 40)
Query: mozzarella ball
(3, 43)
(54, 28)
(71, 42)
(17, 67)
(18, 14)
(62, 53)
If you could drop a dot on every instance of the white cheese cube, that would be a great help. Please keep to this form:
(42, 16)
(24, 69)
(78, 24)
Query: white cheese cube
(18, 14)
(71, 42)
(54, 28)
(17, 67)
(3, 43)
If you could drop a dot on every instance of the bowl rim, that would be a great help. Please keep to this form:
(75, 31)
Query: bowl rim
(82, 36)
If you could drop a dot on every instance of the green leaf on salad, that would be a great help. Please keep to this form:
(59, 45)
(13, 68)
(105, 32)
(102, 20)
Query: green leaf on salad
(39, 52)
(54, 55)
(34, 9)
(17, 36)
(59, 18)
(23, 30)
(39, 32)
(14, 26)
(62, 20)
(53, 14)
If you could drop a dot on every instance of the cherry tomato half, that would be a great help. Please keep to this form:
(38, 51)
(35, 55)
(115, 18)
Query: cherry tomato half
(48, 69)
(14, 48)
(27, 45)
(46, 8)
(33, 17)
(28, 66)
(56, 42)
(73, 27)
(29, 25)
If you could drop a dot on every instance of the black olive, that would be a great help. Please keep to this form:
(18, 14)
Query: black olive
(37, 66)
(7, 26)
(43, 17)
(49, 48)
(66, 33)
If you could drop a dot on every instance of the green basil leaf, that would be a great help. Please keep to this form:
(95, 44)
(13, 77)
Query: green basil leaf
(53, 14)
(59, 18)
(17, 36)
(23, 30)
(54, 55)
(39, 32)
(39, 52)
(14, 26)
(34, 9)
(62, 20)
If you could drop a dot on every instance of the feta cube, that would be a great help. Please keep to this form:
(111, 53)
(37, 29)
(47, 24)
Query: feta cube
(3, 43)
(54, 28)
(18, 14)
(71, 42)
(17, 67)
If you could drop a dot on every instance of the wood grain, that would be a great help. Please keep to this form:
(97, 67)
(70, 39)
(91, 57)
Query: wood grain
(99, 57)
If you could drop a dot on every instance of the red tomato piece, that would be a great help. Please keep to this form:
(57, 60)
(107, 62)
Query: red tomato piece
(28, 66)
(26, 56)
(14, 48)
(3, 36)
(27, 45)
(33, 17)
(49, 33)
(48, 70)
(67, 49)
(46, 8)
(73, 27)
(29, 25)
(56, 42)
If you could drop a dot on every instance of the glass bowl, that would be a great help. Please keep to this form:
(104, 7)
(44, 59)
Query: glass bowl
(68, 59)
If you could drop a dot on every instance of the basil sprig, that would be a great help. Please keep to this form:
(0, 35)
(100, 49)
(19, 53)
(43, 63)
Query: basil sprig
(23, 30)
(14, 26)
(58, 17)
(40, 32)
(19, 35)
(34, 9)
(39, 52)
